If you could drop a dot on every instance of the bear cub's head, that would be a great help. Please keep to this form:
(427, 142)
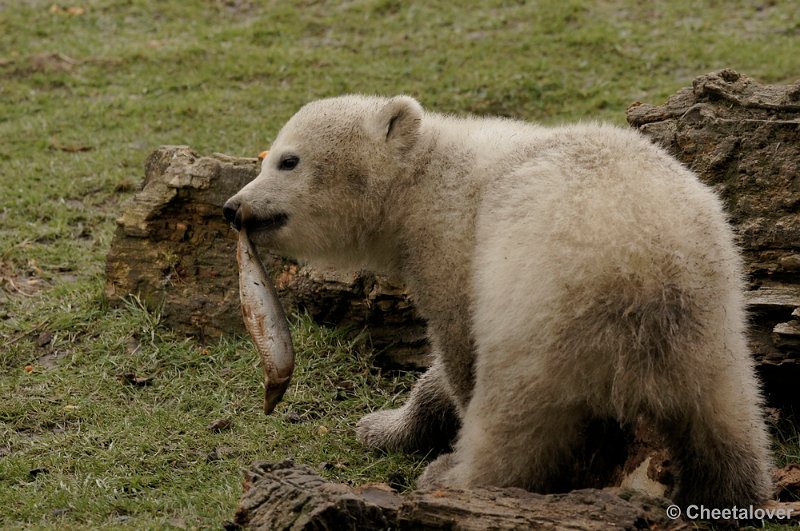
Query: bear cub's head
(324, 185)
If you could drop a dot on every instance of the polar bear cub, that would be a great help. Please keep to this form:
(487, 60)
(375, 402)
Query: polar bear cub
(565, 273)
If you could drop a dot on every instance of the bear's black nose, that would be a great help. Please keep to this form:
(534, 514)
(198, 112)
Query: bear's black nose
(229, 210)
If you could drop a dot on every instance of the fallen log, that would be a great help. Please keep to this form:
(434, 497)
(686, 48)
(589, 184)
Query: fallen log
(743, 138)
(288, 496)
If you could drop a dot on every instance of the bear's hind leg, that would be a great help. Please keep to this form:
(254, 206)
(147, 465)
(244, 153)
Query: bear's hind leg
(427, 422)
(720, 444)
(524, 440)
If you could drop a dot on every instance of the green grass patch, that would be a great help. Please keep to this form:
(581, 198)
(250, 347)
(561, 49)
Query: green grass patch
(114, 425)
(86, 95)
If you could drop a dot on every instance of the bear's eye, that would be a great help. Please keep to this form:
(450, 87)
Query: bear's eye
(288, 162)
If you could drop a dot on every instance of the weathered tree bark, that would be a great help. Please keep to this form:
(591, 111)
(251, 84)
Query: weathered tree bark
(174, 250)
(743, 139)
(287, 496)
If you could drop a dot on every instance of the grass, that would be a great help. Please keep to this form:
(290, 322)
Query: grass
(86, 94)
(84, 445)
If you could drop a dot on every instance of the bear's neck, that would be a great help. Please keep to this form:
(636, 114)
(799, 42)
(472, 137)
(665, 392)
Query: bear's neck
(428, 217)
(427, 228)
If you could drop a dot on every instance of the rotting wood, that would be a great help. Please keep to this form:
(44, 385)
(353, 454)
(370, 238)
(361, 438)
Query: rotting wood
(287, 496)
(742, 138)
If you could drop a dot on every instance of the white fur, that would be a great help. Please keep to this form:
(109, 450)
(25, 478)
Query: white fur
(565, 273)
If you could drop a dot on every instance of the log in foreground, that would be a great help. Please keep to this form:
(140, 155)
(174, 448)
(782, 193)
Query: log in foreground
(287, 496)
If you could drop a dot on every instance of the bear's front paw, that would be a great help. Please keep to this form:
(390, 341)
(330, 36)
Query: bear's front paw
(383, 430)
(439, 472)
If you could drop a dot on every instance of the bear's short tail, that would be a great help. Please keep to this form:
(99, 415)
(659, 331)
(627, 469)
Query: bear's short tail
(647, 326)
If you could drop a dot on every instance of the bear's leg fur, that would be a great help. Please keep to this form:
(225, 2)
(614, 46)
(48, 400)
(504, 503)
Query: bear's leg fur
(427, 422)
(525, 444)
(717, 465)
(521, 433)
(720, 444)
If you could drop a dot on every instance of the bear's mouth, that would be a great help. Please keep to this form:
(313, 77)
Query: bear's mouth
(268, 224)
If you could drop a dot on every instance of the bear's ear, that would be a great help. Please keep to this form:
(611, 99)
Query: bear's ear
(398, 122)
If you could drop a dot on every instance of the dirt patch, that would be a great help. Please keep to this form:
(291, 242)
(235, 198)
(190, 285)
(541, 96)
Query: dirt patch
(25, 280)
